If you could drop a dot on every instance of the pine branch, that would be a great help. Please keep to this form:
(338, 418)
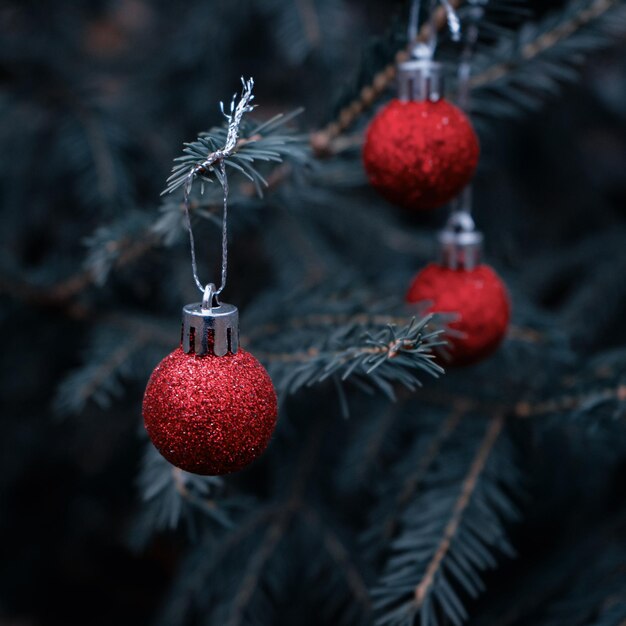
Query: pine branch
(543, 56)
(575, 403)
(369, 441)
(385, 520)
(241, 578)
(135, 234)
(123, 347)
(449, 535)
(375, 357)
(171, 496)
(93, 146)
(115, 246)
(425, 587)
(338, 569)
(260, 142)
(100, 378)
(312, 30)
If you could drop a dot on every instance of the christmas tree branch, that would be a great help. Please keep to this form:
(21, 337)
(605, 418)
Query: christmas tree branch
(250, 581)
(571, 403)
(171, 495)
(423, 589)
(123, 337)
(342, 561)
(543, 56)
(413, 481)
(99, 379)
(546, 40)
(441, 550)
(257, 561)
(376, 439)
(376, 358)
(525, 334)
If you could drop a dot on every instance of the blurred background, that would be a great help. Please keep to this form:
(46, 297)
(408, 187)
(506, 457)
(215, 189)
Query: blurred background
(96, 99)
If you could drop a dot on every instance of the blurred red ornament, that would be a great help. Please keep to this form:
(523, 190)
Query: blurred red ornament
(210, 414)
(420, 154)
(479, 298)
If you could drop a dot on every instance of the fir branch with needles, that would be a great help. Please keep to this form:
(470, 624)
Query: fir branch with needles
(373, 358)
(171, 496)
(238, 152)
(542, 56)
(108, 362)
(241, 574)
(450, 533)
(385, 518)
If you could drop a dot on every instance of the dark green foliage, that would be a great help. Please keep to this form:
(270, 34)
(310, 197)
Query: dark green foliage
(394, 492)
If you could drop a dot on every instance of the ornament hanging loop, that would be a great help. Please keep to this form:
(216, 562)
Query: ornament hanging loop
(460, 242)
(209, 298)
(425, 50)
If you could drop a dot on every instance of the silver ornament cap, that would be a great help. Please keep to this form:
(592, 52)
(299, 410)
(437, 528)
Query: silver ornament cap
(210, 327)
(460, 243)
(420, 79)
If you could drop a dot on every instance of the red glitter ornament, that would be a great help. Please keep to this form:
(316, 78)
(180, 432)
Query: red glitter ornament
(480, 299)
(420, 154)
(210, 414)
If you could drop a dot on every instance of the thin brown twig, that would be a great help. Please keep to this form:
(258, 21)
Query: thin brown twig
(545, 41)
(116, 358)
(276, 530)
(467, 491)
(392, 349)
(379, 437)
(519, 333)
(340, 554)
(415, 479)
(572, 402)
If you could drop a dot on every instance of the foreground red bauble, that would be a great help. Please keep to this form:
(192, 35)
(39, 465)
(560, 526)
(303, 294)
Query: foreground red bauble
(420, 154)
(209, 414)
(479, 298)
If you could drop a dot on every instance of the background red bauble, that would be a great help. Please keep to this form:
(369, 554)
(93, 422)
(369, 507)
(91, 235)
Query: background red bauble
(207, 414)
(420, 154)
(480, 299)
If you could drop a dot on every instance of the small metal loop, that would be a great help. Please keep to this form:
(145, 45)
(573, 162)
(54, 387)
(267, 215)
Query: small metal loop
(426, 50)
(461, 243)
(209, 299)
(420, 49)
(460, 222)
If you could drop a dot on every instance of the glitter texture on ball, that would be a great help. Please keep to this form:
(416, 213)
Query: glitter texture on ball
(479, 298)
(210, 415)
(420, 154)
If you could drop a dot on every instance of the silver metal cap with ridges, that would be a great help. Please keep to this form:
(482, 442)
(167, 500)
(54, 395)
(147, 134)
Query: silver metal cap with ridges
(420, 79)
(461, 244)
(210, 327)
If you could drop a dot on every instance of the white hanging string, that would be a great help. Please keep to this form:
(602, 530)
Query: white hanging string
(234, 117)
